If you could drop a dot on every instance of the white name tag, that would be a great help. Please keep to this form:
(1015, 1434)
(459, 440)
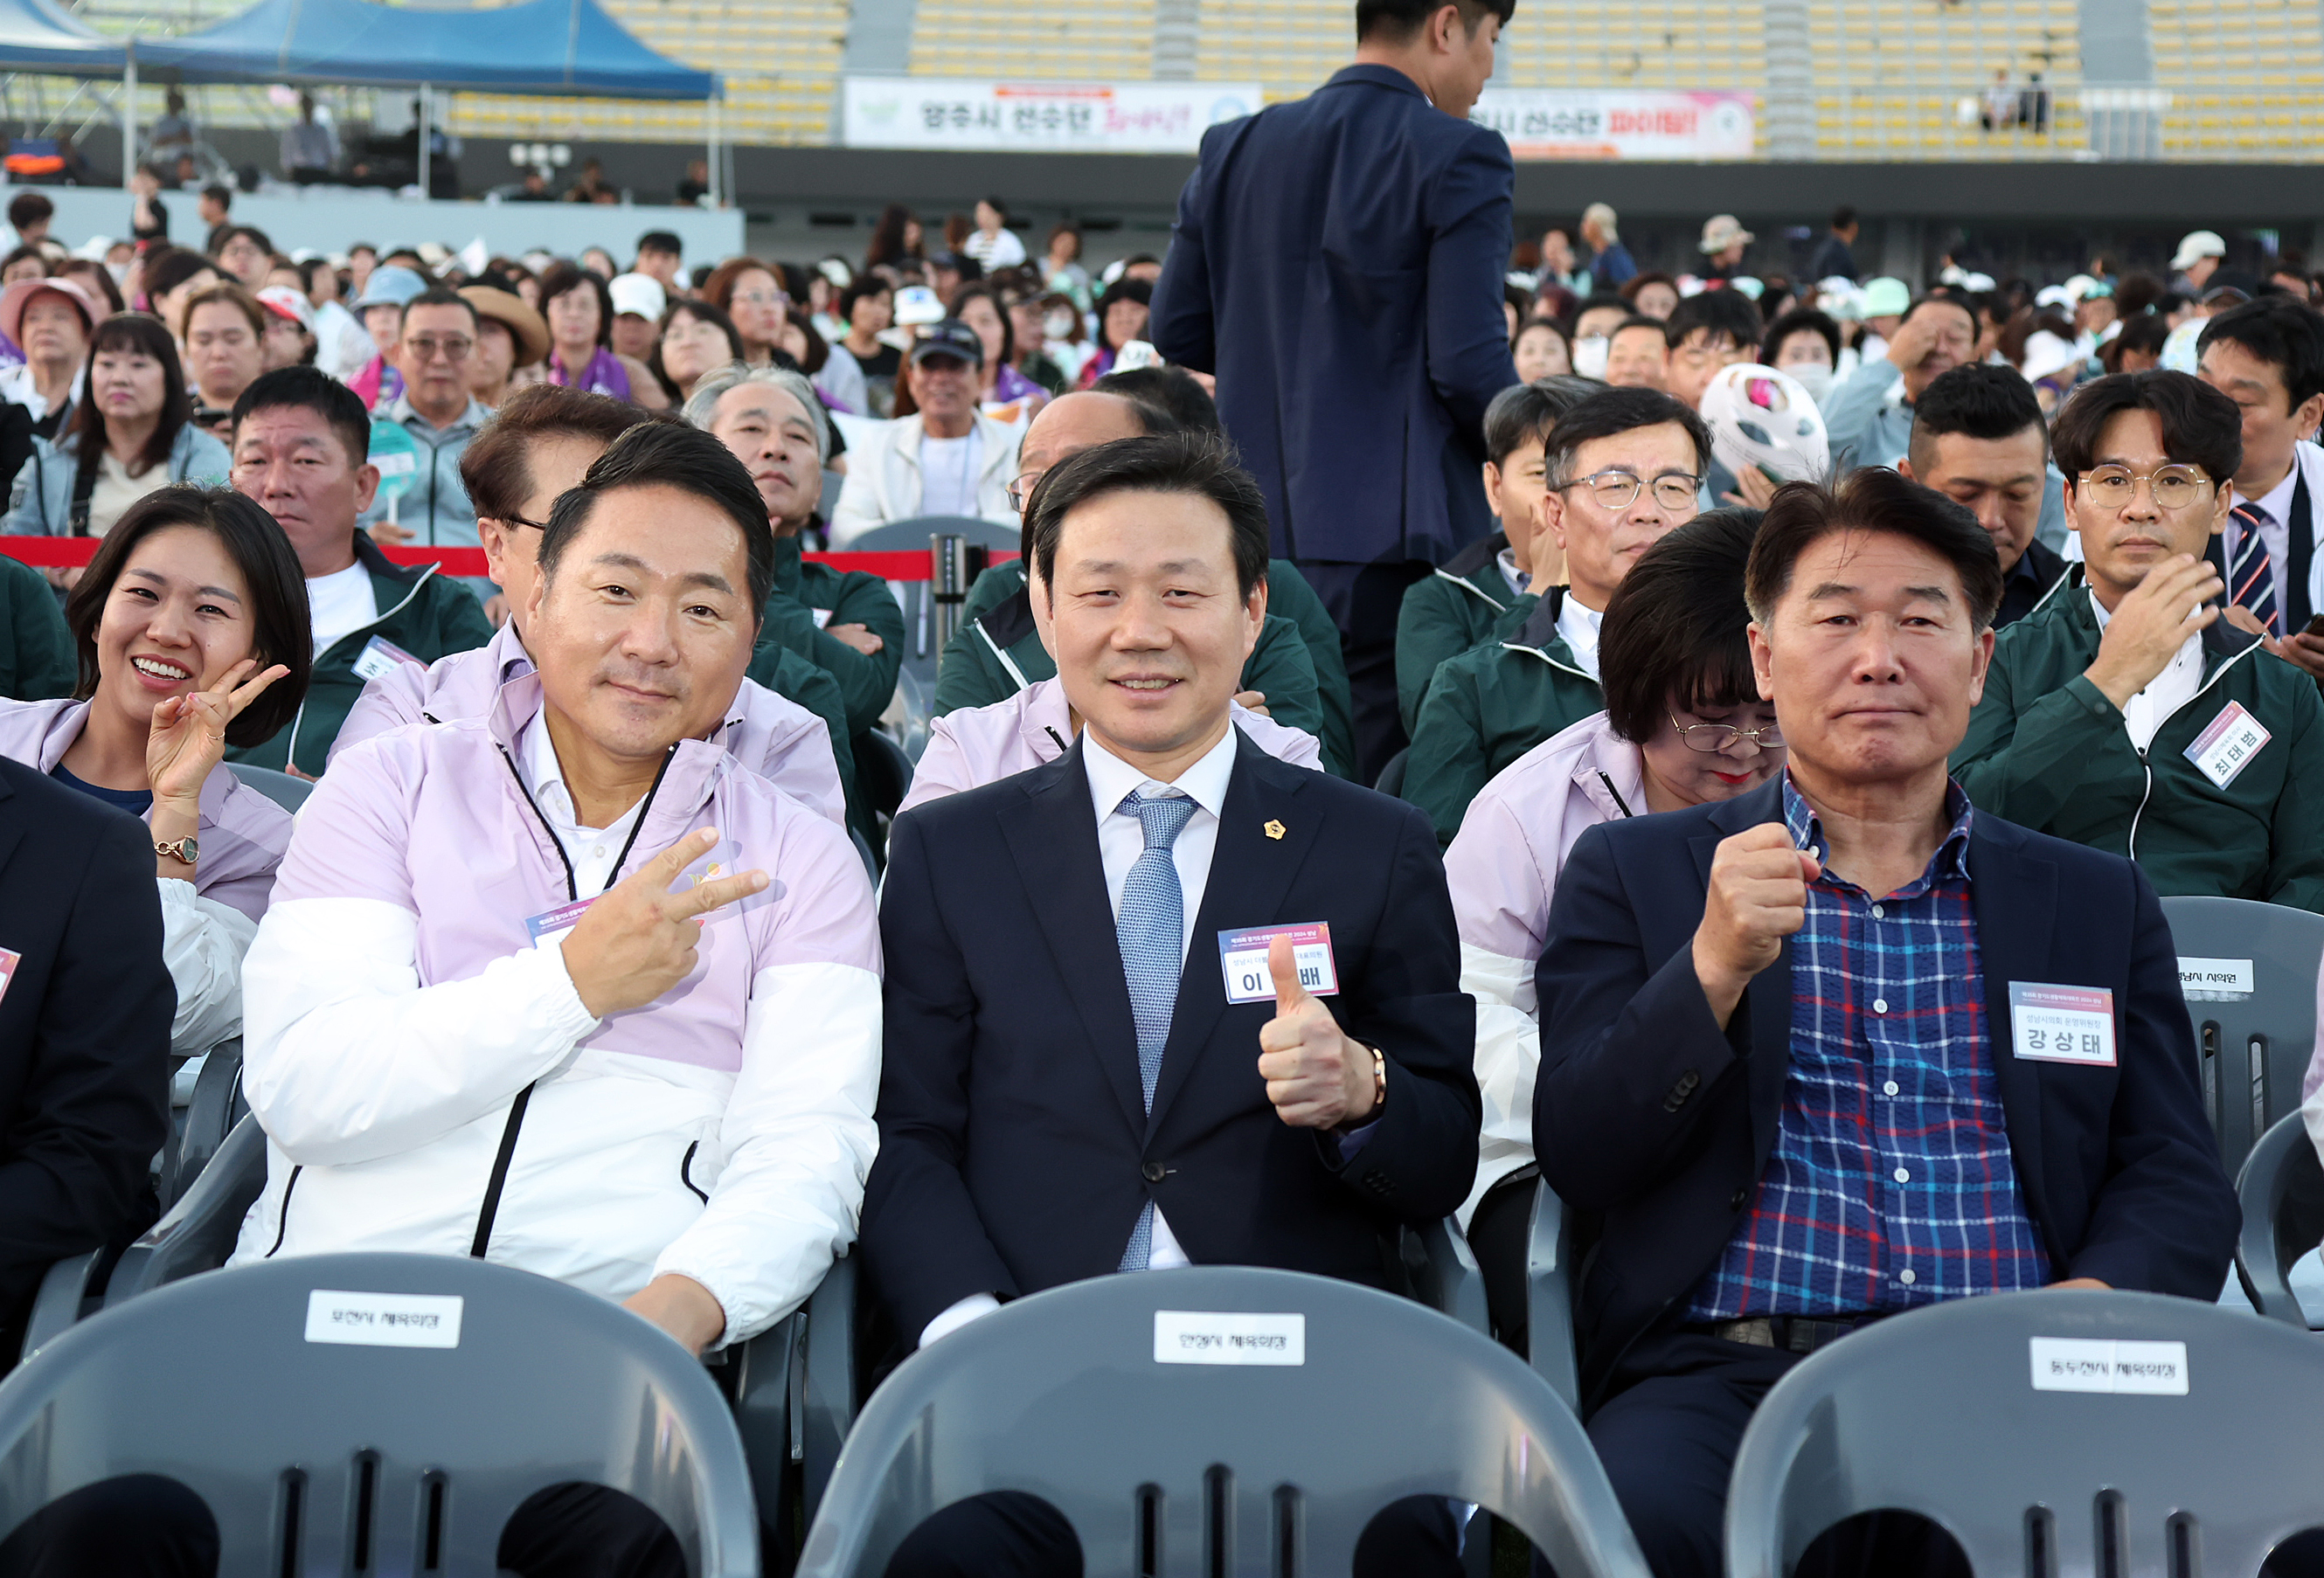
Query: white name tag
(822, 616)
(1243, 955)
(2097, 1364)
(385, 1320)
(1193, 1336)
(380, 657)
(2228, 744)
(2062, 1024)
(2214, 980)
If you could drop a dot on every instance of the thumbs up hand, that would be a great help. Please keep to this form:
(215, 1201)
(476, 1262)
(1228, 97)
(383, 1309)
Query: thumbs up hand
(1316, 1076)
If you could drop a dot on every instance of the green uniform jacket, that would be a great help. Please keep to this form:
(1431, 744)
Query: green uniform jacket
(2048, 751)
(997, 652)
(1443, 615)
(845, 597)
(1289, 595)
(37, 660)
(1490, 705)
(795, 679)
(419, 610)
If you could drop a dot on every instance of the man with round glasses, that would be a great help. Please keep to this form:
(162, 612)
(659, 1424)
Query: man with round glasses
(2125, 713)
(1622, 469)
(439, 336)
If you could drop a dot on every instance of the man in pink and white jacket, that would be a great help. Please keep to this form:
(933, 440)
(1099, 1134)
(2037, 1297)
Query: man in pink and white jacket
(567, 986)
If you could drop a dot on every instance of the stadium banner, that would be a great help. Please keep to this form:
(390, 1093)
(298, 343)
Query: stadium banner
(1555, 123)
(1044, 117)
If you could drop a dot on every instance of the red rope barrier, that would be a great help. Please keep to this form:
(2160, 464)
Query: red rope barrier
(66, 551)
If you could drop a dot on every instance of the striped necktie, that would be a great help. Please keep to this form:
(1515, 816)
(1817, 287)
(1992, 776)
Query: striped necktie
(1150, 928)
(2251, 574)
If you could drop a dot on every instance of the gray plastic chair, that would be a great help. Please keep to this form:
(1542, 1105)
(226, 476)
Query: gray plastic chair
(1391, 776)
(2254, 1050)
(198, 1233)
(1550, 1345)
(1935, 1413)
(1060, 1395)
(285, 790)
(307, 1451)
(912, 535)
(2282, 1187)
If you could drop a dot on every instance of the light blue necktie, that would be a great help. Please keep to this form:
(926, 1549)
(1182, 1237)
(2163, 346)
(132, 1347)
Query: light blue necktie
(1151, 930)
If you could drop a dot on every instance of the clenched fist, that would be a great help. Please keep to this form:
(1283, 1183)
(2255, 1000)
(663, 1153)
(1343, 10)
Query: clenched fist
(1316, 1076)
(1758, 897)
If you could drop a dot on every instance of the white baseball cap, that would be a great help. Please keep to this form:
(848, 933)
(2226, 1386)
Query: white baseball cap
(2198, 243)
(641, 294)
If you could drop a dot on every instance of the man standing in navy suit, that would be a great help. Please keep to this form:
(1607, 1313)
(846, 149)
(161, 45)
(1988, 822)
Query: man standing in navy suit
(1337, 262)
(1164, 1001)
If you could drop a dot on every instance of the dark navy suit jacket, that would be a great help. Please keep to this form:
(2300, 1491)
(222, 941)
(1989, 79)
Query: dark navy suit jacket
(1658, 1124)
(1015, 1150)
(1337, 263)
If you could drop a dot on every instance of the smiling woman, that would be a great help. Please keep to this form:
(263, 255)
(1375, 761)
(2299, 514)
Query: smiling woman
(191, 625)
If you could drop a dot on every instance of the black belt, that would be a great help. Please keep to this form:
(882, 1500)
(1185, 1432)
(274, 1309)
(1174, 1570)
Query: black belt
(1796, 1334)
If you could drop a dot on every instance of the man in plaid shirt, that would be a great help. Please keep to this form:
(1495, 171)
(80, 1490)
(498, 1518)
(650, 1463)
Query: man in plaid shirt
(1782, 1076)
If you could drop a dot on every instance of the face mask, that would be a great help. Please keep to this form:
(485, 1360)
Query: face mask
(1058, 326)
(1590, 356)
(1814, 377)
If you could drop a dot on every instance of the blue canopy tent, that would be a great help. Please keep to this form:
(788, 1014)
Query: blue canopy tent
(39, 35)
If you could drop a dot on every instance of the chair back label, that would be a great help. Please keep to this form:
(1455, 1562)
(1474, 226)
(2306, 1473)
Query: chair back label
(2100, 1364)
(2214, 980)
(1193, 1336)
(384, 1320)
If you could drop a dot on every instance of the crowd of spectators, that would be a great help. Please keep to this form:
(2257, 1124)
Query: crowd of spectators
(1747, 642)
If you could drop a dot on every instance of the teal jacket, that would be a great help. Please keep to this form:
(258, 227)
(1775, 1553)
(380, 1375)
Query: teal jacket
(2048, 751)
(996, 651)
(795, 679)
(1444, 614)
(1490, 705)
(420, 612)
(1289, 596)
(37, 659)
(807, 598)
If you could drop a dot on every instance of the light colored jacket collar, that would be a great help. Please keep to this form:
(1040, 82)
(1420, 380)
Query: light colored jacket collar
(694, 771)
(402, 415)
(59, 723)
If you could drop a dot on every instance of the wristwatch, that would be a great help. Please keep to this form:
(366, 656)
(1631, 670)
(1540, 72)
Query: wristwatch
(186, 850)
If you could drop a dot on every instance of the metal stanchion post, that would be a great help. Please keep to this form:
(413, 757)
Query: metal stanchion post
(957, 563)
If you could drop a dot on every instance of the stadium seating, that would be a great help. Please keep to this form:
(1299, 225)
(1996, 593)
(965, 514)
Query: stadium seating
(1890, 75)
(2245, 77)
(281, 788)
(1227, 1464)
(1949, 1413)
(2282, 1187)
(1042, 38)
(2255, 1049)
(316, 1453)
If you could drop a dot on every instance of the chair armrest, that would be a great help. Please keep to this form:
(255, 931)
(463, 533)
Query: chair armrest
(2281, 1186)
(198, 1232)
(214, 1111)
(1444, 1274)
(764, 1415)
(64, 1288)
(1549, 1297)
(827, 1402)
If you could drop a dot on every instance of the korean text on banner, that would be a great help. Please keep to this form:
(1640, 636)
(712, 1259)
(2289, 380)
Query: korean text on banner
(1578, 124)
(1071, 117)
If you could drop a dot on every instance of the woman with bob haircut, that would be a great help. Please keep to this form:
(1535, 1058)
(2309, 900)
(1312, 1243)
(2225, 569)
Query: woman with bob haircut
(1684, 725)
(191, 626)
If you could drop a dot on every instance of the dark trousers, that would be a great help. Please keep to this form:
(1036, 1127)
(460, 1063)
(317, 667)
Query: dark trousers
(1010, 1535)
(1363, 600)
(144, 1526)
(1500, 1234)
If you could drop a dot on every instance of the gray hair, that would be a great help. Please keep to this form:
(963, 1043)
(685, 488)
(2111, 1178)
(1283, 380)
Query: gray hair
(712, 387)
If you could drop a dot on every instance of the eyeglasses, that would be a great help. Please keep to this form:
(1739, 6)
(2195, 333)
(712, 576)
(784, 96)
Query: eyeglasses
(760, 297)
(2172, 487)
(1711, 739)
(1615, 489)
(520, 520)
(1020, 491)
(427, 347)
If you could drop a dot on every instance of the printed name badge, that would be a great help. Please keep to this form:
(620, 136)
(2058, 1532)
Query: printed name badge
(2097, 1364)
(380, 657)
(8, 961)
(548, 929)
(385, 1320)
(2062, 1024)
(1201, 1337)
(1243, 956)
(822, 616)
(2228, 744)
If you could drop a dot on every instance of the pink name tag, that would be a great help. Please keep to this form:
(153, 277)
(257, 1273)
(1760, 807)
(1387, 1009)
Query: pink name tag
(2062, 1024)
(1243, 956)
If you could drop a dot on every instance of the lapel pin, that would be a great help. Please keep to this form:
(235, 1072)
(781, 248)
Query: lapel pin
(1273, 829)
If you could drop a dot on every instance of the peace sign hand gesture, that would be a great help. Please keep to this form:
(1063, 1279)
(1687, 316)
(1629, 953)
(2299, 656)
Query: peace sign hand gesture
(187, 738)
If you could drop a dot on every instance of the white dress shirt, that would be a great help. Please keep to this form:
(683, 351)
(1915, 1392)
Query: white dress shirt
(2165, 694)
(2274, 507)
(340, 602)
(591, 850)
(1517, 579)
(1579, 627)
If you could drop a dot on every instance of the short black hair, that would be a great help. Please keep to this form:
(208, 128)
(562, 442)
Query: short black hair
(662, 241)
(671, 455)
(1525, 412)
(2200, 426)
(1959, 303)
(1800, 319)
(1843, 216)
(310, 388)
(278, 622)
(1171, 391)
(866, 283)
(1675, 628)
(997, 206)
(1618, 410)
(29, 208)
(2280, 330)
(1637, 321)
(1395, 20)
(222, 195)
(257, 237)
(1980, 399)
(440, 296)
(1872, 499)
(1199, 464)
(1722, 312)
(561, 277)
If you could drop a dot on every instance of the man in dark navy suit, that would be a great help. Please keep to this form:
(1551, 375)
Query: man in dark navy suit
(1165, 1000)
(1337, 261)
(1844, 1047)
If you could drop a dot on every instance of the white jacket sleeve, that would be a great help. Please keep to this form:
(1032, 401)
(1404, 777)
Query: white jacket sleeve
(798, 1141)
(1508, 1059)
(347, 1057)
(202, 943)
(861, 507)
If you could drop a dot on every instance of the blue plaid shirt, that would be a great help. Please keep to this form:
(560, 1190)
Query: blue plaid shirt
(1890, 1185)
